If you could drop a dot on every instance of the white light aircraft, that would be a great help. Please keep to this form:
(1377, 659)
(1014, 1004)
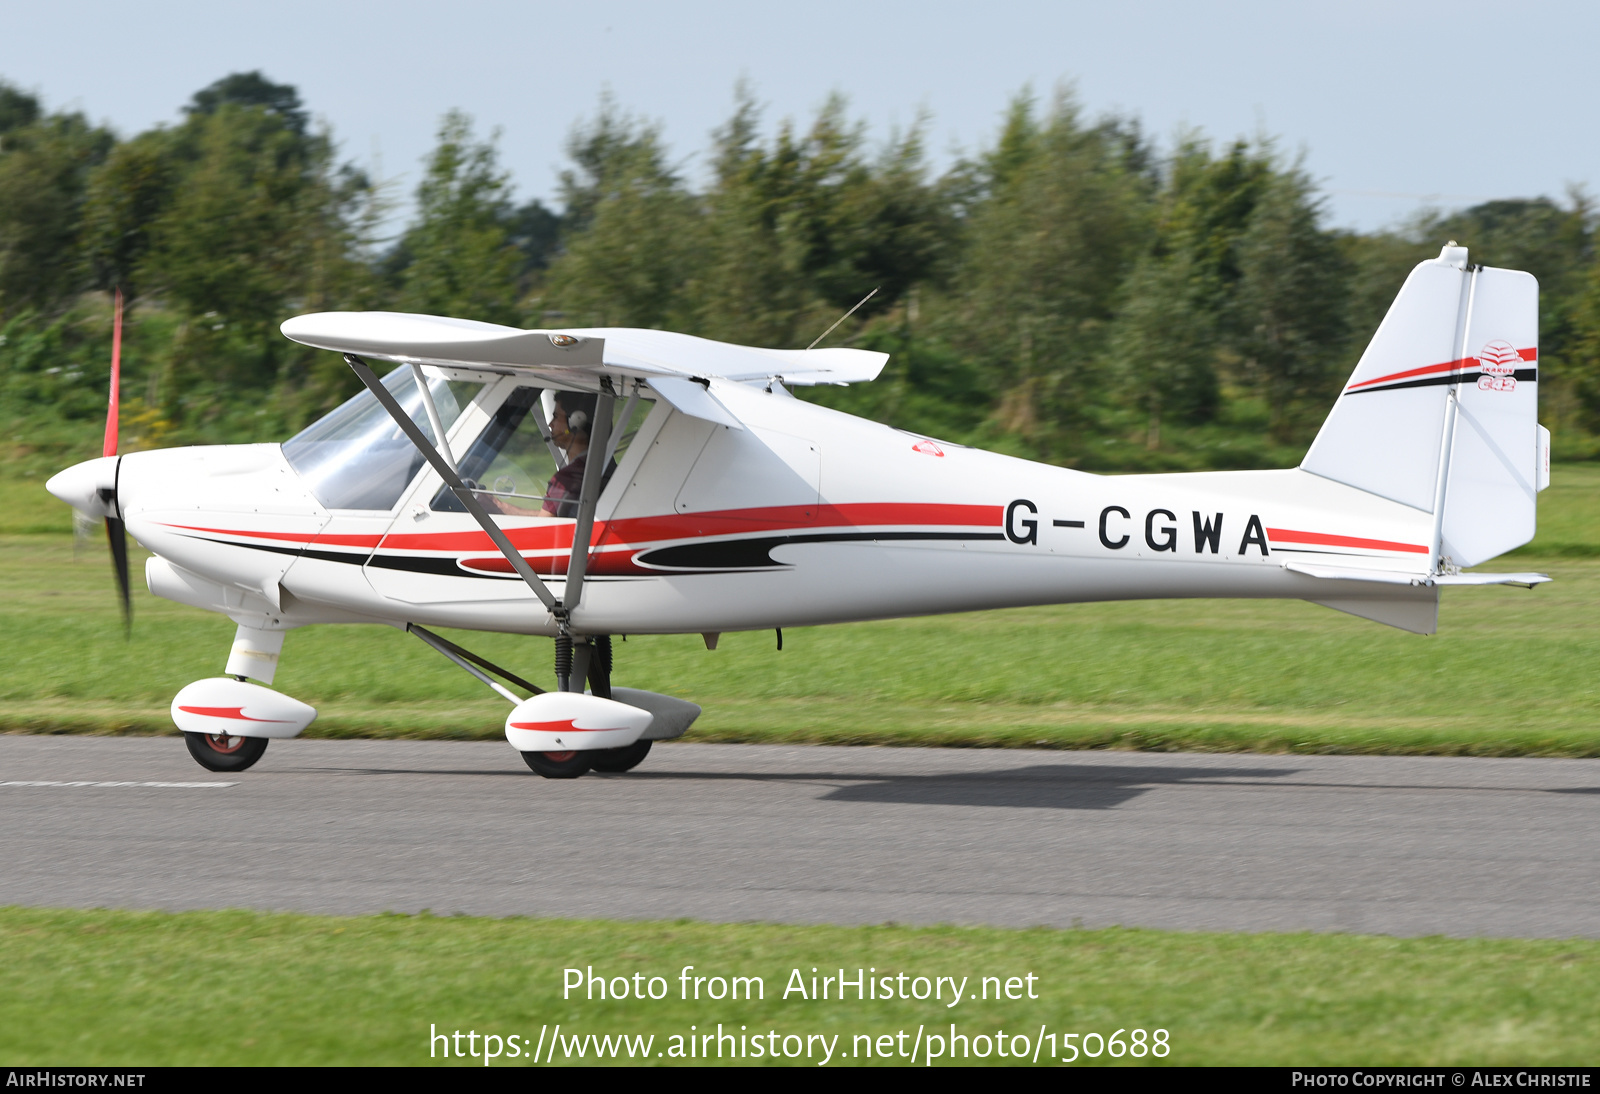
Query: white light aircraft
(457, 491)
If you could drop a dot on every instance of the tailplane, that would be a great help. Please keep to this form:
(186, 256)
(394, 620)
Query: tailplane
(1441, 413)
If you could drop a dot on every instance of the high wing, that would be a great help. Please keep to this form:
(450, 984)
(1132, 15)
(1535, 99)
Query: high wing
(681, 368)
(566, 354)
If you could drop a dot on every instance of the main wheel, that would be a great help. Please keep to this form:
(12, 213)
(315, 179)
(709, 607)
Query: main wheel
(220, 752)
(616, 760)
(559, 765)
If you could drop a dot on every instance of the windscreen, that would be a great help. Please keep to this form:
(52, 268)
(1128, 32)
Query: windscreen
(357, 458)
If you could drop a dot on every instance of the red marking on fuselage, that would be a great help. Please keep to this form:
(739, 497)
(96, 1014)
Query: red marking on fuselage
(1428, 370)
(1286, 535)
(235, 714)
(304, 538)
(554, 536)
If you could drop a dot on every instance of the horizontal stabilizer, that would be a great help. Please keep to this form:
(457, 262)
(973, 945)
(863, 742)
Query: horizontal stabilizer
(1400, 577)
(1527, 581)
(1351, 573)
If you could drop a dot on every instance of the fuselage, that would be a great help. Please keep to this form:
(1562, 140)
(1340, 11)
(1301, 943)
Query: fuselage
(805, 516)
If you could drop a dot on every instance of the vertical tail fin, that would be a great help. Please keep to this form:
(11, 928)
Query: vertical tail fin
(1441, 413)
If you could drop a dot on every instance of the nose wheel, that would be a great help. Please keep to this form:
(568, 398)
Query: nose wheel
(222, 752)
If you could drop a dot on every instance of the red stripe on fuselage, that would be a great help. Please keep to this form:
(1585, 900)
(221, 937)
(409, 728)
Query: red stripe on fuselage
(307, 539)
(555, 535)
(1286, 535)
(1429, 370)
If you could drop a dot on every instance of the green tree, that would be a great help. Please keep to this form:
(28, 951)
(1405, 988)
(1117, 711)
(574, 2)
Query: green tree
(1290, 307)
(255, 221)
(252, 89)
(1163, 343)
(126, 195)
(1583, 352)
(460, 257)
(1056, 223)
(635, 235)
(17, 108)
(228, 245)
(45, 166)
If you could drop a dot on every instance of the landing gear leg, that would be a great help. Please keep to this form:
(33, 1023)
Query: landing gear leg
(574, 662)
(611, 760)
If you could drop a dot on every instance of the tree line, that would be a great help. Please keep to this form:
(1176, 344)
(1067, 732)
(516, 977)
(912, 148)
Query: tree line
(1072, 292)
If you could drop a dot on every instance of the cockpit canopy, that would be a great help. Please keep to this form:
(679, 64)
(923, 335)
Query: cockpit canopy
(357, 458)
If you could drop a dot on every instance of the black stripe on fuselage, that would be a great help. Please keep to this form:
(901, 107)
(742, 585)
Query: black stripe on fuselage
(754, 553)
(1521, 375)
(325, 556)
(720, 556)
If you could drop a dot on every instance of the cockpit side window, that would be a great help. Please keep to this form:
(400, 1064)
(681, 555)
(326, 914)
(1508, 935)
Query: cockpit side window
(518, 468)
(356, 457)
(509, 459)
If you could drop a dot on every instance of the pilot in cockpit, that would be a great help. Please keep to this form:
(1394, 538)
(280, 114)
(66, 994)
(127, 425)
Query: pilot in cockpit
(570, 425)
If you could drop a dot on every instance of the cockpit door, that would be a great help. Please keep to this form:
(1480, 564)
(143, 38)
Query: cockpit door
(435, 553)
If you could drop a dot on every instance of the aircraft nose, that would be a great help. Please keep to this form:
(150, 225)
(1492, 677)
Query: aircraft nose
(88, 487)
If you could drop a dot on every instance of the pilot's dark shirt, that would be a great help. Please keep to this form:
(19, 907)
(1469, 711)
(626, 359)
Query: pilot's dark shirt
(565, 485)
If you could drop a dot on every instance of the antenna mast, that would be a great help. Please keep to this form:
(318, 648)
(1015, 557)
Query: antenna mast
(845, 316)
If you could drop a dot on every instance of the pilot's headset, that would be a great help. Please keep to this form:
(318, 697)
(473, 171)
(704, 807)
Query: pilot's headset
(580, 408)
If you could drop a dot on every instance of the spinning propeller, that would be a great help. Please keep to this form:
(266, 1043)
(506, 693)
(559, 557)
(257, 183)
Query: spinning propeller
(116, 530)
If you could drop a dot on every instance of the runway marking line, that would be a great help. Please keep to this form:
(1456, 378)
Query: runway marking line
(47, 782)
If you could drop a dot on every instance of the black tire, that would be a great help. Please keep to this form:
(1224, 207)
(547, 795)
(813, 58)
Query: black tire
(617, 760)
(216, 752)
(559, 765)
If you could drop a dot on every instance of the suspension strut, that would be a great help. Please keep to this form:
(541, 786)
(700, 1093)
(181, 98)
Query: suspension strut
(563, 659)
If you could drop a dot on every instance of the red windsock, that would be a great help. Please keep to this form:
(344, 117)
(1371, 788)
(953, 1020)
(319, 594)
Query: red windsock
(116, 379)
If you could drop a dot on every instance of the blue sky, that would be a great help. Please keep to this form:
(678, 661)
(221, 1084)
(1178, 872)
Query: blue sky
(1395, 105)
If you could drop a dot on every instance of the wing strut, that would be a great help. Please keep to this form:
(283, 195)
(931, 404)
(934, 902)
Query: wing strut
(621, 428)
(594, 474)
(469, 500)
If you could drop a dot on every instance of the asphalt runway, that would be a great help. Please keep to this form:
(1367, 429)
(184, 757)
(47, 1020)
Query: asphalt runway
(1394, 845)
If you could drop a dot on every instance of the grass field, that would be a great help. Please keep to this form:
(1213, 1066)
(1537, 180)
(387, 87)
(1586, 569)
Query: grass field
(132, 988)
(1511, 672)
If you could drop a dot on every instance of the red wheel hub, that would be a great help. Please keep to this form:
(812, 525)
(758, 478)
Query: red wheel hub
(221, 742)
